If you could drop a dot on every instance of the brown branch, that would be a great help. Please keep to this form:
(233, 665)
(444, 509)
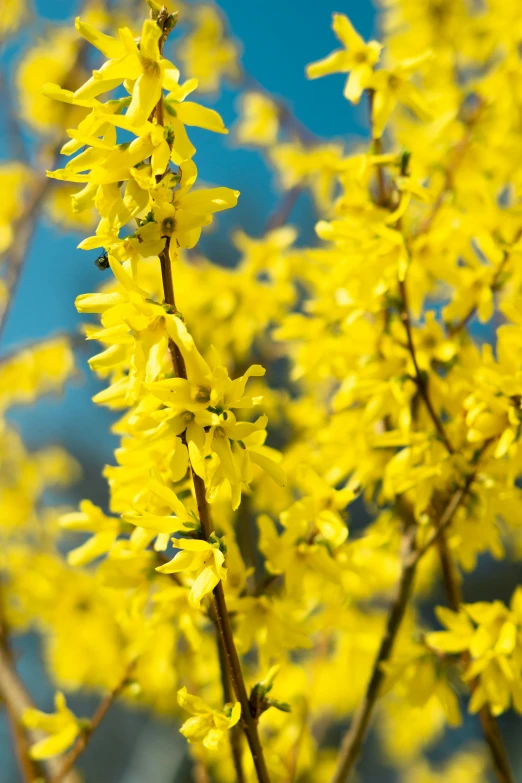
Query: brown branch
(489, 725)
(377, 148)
(15, 695)
(228, 697)
(410, 557)
(25, 226)
(353, 741)
(419, 377)
(286, 116)
(459, 152)
(28, 768)
(85, 737)
(449, 512)
(248, 722)
(283, 210)
(24, 230)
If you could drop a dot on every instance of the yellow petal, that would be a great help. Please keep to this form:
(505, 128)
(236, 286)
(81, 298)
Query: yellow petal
(149, 43)
(106, 44)
(55, 744)
(193, 114)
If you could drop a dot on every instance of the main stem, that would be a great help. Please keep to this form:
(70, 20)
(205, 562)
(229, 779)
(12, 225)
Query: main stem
(235, 731)
(248, 722)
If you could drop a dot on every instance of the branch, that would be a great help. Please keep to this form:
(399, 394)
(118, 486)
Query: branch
(419, 377)
(283, 210)
(235, 731)
(25, 226)
(286, 116)
(28, 767)
(24, 229)
(85, 737)
(17, 698)
(355, 737)
(248, 722)
(377, 148)
(458, 156)
(410, 557)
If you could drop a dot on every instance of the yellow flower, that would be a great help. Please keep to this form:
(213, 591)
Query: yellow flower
(492, 635)
(392, 87)
(142, 67)
(62, 727)
(207, 725)
(357, 58)
(12, 14)
(90, 519)
(259, 120)
(36, 370)
(54, 59)
(203, 560)
(183, 213)
(206, 52)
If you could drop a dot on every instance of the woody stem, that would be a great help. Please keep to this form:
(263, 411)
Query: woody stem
(248, 722)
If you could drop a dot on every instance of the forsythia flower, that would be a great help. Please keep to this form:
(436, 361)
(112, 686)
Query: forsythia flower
(202, 559)
(36, 371)
(53, 59)
(62, 727)
(357, 58)
(492, 635)
(464, 767)
(207, 53)
(259, 120)
(207, 725)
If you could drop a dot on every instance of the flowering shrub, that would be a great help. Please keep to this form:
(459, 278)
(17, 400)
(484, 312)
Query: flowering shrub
(222, 580)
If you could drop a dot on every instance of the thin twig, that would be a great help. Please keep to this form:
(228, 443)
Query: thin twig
(377, 148)
(283, 210)
(25, 226)
(86, 735)
(28, 767)
(14, 694)
(352, 744)
(248, 722)
(235, 731)
(489, 725)
(459, 152)
(24, 229)
(410, 557)
(420, 380)
(286, 116)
